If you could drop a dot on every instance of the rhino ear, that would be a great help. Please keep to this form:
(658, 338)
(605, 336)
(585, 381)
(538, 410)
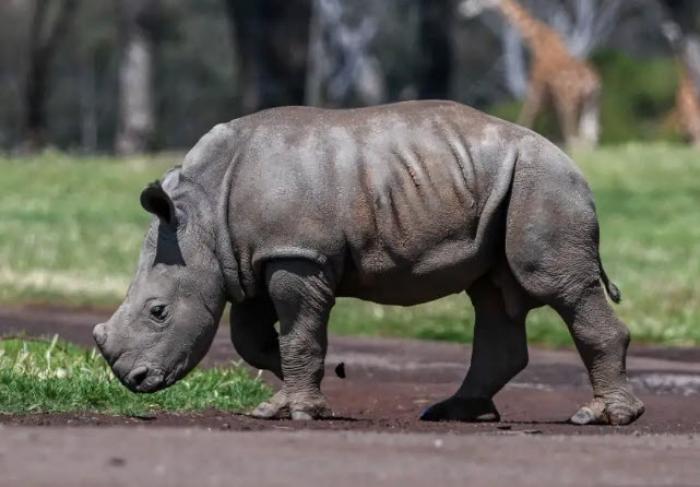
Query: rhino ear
(155, 200)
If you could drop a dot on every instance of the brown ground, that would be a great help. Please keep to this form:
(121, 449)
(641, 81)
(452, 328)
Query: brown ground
(389, 381)
(189, 457)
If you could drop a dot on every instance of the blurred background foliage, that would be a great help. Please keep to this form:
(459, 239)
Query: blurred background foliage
(213, 60)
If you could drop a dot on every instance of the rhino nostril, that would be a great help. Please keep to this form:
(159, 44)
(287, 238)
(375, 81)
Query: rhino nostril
(137, 376)
(99, 334)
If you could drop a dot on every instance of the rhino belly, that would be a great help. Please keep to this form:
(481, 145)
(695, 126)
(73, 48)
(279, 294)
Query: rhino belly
(443, 269)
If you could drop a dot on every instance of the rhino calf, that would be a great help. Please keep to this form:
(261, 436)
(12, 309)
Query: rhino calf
(281, 211)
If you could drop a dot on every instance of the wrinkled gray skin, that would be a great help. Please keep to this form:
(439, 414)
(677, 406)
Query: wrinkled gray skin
(281, 211)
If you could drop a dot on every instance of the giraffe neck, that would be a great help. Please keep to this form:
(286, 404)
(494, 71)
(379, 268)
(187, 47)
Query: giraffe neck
(531, 29)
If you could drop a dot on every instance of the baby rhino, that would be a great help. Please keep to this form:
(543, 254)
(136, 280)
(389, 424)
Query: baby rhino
(282, 211)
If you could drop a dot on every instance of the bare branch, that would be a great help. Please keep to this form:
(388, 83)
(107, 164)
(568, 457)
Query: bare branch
(341, 64)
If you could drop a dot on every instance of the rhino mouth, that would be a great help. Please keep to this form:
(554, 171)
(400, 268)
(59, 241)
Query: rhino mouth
(144, 379)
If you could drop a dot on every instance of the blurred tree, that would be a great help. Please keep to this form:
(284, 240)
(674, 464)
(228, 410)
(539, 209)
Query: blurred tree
(271, 38)
(209, 67)
(435, 74)
(685, 13)
(89, 69)
(49, 24)
(682, 32)
(343, 69)
(138, 27)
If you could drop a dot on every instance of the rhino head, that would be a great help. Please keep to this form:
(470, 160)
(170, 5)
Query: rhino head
(172, 309)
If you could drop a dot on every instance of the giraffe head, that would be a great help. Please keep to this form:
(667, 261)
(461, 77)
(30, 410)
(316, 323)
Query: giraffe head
(474, 8)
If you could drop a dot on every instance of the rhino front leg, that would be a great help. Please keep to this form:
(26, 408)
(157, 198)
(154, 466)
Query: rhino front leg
(254, 336)
(498, 354)
(303, 297)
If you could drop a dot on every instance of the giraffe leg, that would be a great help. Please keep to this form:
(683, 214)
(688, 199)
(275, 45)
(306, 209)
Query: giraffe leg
(532, 105)
(694, 126)
(568, 121)
(589, 122)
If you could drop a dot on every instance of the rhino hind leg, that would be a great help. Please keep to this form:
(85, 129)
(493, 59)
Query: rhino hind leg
(499, 353)
(552, 250)
(602, 341)
(254, 336)
(302, 295)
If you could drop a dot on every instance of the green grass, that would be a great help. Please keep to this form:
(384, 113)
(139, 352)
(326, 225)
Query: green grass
(71, 230)
(54, 376)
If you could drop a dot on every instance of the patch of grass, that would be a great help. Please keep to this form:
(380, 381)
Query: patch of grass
(71, 230)
(448, 319)
(54, 376)
(71, 227)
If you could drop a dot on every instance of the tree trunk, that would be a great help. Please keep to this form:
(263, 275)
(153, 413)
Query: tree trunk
(516, 72)
(270, 37)
(45, 36)
(343, 69)
(313, 94)
(88, 107)
(247, 34)
(436, 45)
(138, 28)
(685, 13)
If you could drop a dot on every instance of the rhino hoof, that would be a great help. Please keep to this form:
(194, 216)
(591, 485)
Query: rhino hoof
(462, 409)
(301, 416)
(277, 407)
(297, 406)
(618, 410)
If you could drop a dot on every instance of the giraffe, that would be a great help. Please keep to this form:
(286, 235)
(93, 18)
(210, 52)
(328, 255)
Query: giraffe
(687, 110)
(572, 85)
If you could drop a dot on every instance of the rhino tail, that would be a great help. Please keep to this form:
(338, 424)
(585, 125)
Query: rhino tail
(610, 287)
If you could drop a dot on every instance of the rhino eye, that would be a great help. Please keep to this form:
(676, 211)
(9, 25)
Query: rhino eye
(159, 313)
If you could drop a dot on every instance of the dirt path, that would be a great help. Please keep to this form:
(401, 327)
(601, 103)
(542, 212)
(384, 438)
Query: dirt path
(389, 381)
(185, 457)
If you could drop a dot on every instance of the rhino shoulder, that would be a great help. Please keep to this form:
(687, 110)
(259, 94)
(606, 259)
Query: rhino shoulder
(215, 144)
